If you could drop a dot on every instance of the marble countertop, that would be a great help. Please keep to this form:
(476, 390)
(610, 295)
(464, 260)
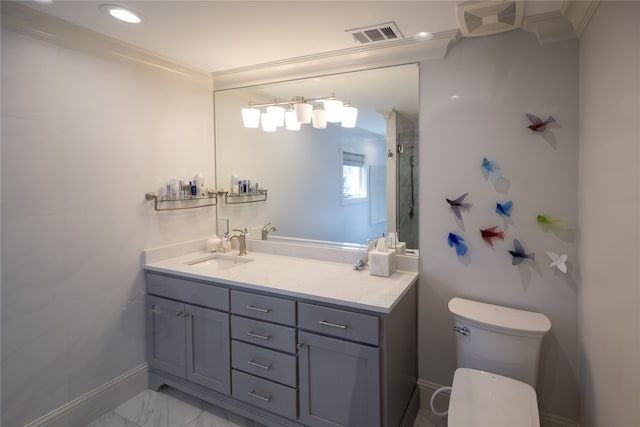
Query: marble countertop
(314, 279)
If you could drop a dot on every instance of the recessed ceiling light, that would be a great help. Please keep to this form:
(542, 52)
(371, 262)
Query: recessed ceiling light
(121, 13)
(423, 35)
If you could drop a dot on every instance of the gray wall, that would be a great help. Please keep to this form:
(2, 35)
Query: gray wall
(610, 216)
(498, 79)
(83, 139)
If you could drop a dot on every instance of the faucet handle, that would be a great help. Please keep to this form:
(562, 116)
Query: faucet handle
(242, 232)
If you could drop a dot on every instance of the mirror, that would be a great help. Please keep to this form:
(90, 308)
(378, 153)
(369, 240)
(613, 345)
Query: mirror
(334, 186)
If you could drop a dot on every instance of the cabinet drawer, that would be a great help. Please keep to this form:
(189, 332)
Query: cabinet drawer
(264, 394)
(209, 296)
(339, 323)
(262, 307)
(264, 363)
(264, 334)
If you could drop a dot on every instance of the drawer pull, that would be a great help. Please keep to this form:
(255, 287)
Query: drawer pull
(261, 310)
(254, 335)
(335, 325)
(252, 393)
(258, 365)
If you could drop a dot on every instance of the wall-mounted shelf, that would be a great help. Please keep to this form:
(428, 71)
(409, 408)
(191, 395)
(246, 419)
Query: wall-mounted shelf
(163, 203)
(237, 198)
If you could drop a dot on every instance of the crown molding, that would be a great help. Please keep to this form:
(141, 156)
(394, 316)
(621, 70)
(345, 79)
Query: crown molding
(28, 21)
(580, 13)
(565, 24)
(385, 54)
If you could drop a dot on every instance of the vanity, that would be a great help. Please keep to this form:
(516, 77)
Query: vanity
(281, 339)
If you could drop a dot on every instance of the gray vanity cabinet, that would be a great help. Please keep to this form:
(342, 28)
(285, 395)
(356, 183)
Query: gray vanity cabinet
(339, 373)
(185, 340)
(339, 382)
(166, 338)
(281, 360)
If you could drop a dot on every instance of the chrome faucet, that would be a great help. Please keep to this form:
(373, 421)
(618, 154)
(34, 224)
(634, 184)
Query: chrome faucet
(267, 229)
(242, 243)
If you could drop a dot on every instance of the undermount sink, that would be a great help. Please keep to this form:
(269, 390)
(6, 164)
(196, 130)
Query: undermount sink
(219, 261)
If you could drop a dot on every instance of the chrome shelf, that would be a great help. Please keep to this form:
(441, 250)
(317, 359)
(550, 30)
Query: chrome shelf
(237, 198)
(181, 204)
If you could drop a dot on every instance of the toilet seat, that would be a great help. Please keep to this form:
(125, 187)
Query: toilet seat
(483, 399)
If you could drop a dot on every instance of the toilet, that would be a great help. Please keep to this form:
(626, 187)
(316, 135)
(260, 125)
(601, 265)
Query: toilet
(497, 355)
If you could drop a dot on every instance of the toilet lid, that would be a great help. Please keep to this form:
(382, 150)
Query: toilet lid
(483, 399)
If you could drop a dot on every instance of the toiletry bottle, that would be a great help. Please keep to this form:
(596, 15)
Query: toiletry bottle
(234, 183)
(200, 185)
(194, 189)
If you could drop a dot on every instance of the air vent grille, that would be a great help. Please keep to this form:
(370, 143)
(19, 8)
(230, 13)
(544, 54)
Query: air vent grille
(376, 33)
(481, 18)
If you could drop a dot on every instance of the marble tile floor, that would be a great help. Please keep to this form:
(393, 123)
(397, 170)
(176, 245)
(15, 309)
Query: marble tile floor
(172, 408)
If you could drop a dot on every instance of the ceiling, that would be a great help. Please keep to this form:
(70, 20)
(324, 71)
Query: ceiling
(216, 36)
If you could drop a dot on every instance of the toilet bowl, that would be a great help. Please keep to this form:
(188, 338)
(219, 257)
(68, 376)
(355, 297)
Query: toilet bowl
(497, 354)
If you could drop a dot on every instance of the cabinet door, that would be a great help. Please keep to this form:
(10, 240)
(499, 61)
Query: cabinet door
(208, 349)
(339, 382)
(165, 335)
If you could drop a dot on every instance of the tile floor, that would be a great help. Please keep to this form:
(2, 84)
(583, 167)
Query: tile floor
(172, 408)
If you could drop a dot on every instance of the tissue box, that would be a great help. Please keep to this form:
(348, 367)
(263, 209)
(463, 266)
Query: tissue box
(382, 263)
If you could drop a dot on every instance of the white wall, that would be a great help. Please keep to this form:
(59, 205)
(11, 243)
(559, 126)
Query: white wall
(499, 79)
(83, 139)
(610, 216)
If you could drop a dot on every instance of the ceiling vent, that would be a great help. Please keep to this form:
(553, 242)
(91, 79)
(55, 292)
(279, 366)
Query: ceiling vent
(482, 18)
(376, 33)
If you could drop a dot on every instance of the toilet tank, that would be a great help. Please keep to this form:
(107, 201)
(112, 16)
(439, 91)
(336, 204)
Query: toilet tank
(498, 339)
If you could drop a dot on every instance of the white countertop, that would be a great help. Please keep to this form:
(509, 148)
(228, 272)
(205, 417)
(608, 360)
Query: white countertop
(319, 280)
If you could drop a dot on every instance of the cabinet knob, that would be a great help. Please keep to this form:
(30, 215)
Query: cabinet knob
(300, 345)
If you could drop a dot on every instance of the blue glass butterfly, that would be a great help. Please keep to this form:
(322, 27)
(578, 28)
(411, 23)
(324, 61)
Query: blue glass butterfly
(491, 170)
(519, 254)
(457, 242)
(504, 209)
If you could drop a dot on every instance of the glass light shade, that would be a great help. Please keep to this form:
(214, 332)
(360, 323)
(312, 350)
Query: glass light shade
(349, 116)
(277, 113)
(303, 112)
(333, 110)
(319, 119)
(250, 117)
(268, 122)
(291, 121)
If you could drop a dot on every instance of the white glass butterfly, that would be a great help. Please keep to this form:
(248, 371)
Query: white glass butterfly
(558, 261)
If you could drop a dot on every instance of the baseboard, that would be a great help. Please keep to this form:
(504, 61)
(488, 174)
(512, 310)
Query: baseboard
(412, 409)
(102, 399)
(550, 420)
(427, 388)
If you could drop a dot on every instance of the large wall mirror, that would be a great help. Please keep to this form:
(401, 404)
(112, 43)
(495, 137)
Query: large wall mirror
(336, 185)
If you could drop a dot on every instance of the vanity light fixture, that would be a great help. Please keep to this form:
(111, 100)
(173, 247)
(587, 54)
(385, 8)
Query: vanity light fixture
(251, 117)
(268, 122)
(301, 111)
(291, 121)
(349, 115)
(277, 113)
(319, 118)
(333, 109)
(121, 13)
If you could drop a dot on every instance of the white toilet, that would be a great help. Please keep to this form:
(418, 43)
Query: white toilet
(498, 349)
